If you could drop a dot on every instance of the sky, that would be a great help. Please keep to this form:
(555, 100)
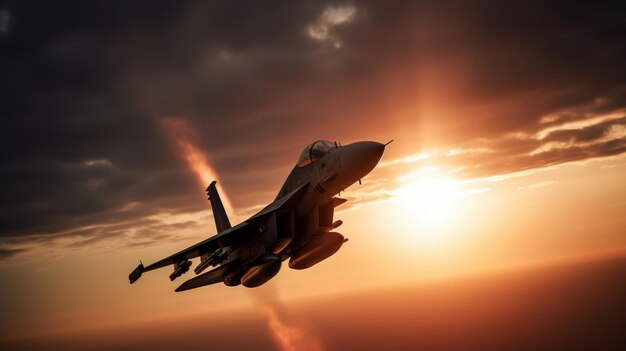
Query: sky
(508, 121)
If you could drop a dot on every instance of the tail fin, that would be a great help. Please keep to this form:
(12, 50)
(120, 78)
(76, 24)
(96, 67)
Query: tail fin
(219, 214)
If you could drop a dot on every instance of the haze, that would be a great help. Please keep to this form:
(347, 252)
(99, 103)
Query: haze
(509, 123)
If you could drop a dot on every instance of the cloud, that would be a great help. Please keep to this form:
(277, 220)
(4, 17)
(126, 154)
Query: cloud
(5, 21)
(7, 253)
(472, 85)
(97, 163)
(331, 17)
(139, 232)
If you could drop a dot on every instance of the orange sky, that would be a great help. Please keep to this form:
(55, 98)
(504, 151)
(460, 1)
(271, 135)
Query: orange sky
(482, 224)
(509, 128)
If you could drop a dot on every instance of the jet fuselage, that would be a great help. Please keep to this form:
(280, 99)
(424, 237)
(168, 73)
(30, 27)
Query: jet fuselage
(296, 225)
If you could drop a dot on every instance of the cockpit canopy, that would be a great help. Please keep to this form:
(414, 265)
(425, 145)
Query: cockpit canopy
(314, 152)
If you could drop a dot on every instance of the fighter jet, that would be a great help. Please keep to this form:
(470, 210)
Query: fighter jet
(298, 225)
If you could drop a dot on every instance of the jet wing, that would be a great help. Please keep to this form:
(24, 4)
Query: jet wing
(230, 236)
(227, 237)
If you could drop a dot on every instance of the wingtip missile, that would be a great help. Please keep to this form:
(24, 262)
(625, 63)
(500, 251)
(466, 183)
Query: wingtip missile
(136, 273)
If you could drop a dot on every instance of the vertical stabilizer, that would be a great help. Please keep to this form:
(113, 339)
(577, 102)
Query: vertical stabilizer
(219, 214)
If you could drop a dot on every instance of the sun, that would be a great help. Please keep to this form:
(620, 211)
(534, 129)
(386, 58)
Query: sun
(430, 202)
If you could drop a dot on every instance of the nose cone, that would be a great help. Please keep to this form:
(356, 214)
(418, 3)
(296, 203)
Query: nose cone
(358, 159)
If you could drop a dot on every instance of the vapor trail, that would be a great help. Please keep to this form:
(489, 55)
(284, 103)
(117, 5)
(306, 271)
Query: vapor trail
(289, 338)
(182, 137)
(287, 335)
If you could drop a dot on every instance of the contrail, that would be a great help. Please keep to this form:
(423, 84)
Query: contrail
(287, 336)
(196, 159)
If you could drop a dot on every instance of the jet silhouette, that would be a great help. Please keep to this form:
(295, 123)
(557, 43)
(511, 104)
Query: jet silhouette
(297, 225)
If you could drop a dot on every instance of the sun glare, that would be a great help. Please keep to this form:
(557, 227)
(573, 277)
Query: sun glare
(430, 201)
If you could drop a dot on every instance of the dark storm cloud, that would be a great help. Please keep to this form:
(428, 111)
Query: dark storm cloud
(502, 68)
(84, 87)
(87, 86)
(72, 146)
(6, 253)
